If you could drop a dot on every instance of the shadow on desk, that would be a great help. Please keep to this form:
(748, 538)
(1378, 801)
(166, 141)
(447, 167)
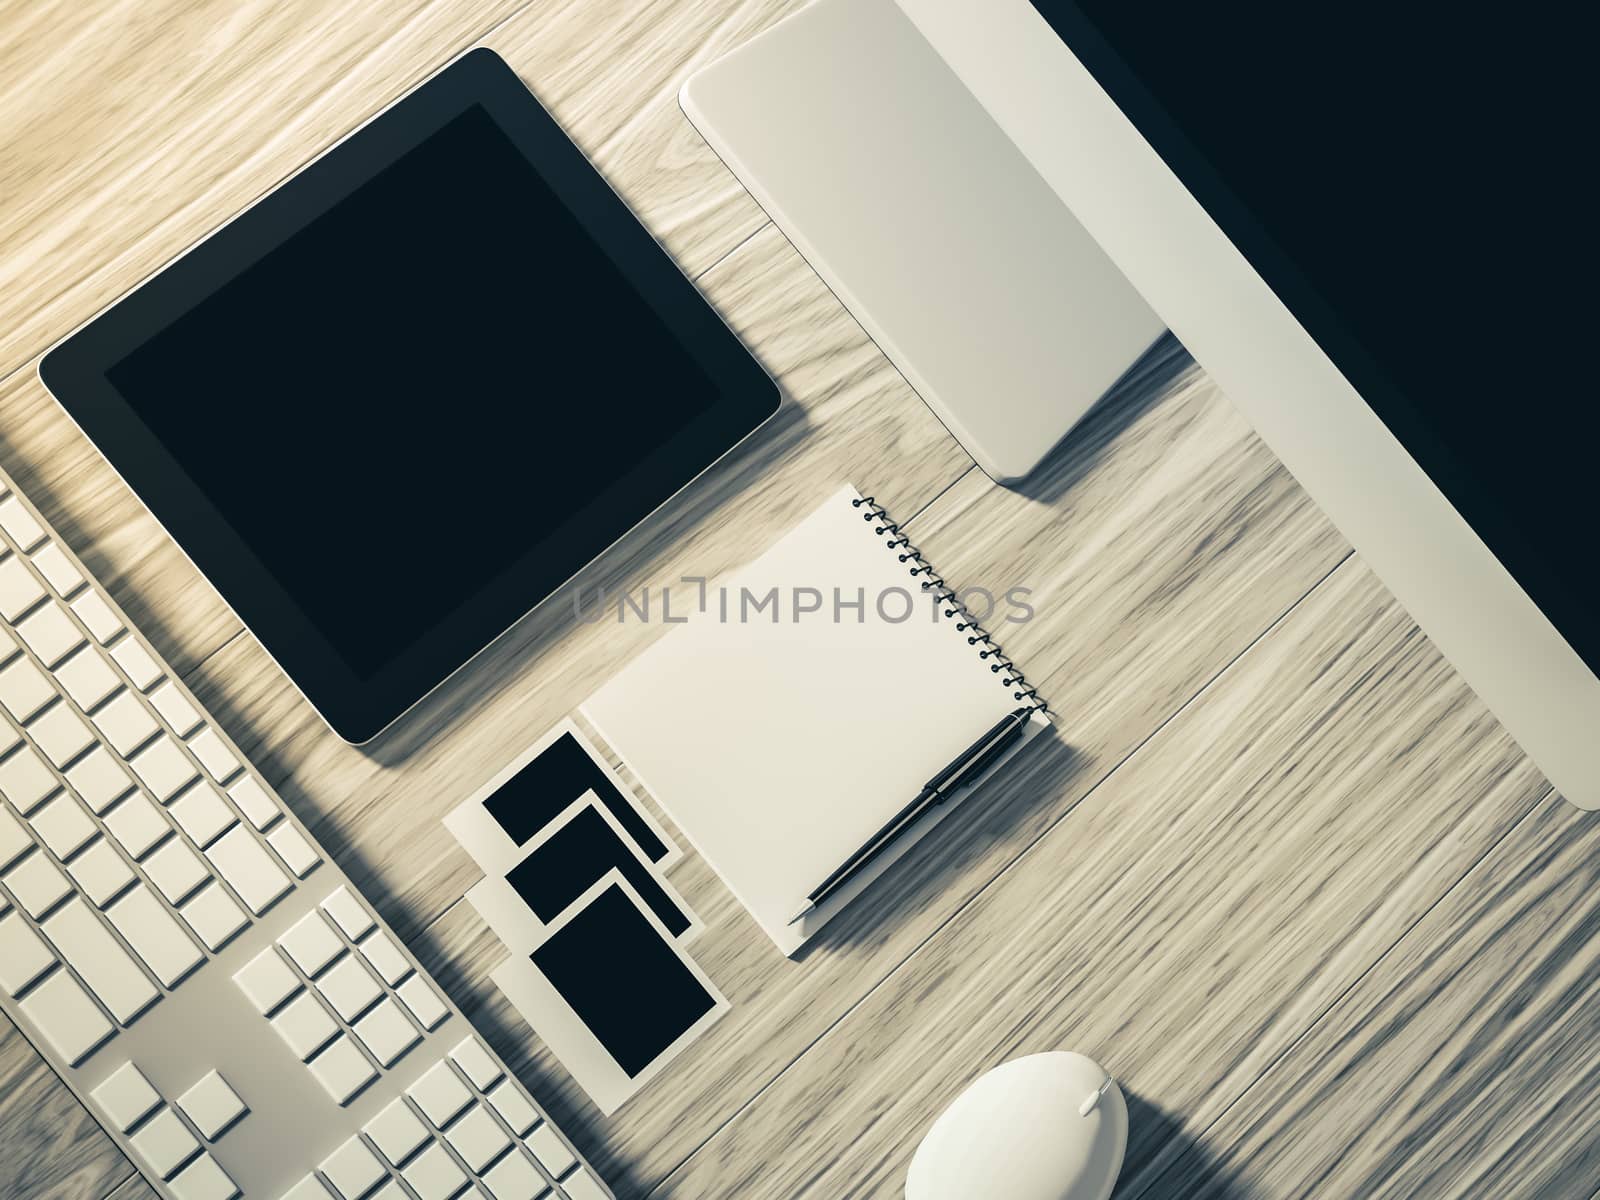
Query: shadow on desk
(1192, 1172)
(1148, 381)
(634, 555)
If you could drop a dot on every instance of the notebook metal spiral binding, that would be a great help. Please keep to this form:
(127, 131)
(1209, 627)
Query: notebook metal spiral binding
(932, 581)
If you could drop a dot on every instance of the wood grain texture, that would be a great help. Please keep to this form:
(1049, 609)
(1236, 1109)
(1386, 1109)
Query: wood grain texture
(1184, 923)
(134, 1188)
(50, 1148)
(1466, 1063)
(610, 72)
(133, 127)
(1243, 552)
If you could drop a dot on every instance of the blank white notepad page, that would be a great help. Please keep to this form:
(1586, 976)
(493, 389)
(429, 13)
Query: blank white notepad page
(779, 746)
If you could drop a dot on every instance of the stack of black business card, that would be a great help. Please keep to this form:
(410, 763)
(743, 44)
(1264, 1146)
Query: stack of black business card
(575, 888)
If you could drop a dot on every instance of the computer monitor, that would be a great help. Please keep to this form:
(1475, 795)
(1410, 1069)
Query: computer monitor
(1358, 221)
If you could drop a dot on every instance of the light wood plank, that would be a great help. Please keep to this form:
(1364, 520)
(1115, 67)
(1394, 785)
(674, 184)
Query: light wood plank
(133, 127)
(1185, 923)
(1464, 1064)
(134, 1188)
(610, 71)
(110, 173)
(1251, 546)
(50, 1147)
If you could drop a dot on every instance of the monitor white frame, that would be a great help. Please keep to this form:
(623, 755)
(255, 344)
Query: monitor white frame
(1305, 410)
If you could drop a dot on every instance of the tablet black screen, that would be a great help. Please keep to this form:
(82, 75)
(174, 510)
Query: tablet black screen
(414, 389)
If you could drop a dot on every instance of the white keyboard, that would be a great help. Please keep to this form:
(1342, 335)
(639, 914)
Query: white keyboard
(194, 965)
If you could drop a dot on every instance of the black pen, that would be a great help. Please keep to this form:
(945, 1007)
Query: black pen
(971, 765)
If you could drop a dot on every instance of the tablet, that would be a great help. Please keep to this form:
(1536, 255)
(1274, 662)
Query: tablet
(407, 395)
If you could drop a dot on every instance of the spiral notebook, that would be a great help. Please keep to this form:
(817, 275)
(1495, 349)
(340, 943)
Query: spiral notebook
(811, 696)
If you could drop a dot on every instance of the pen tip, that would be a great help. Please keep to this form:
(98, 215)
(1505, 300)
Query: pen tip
(801, 915)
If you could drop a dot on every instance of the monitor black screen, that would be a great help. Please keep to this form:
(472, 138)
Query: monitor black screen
(1411, 180)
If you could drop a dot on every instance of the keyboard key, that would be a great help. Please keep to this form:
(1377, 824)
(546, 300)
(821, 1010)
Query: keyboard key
(163, 768)
(37, 885)
(434, 1175)
(385, 957)
(254, 802)
(440, 1094)
(126, 1096)
(305, 1025)
(348, 913)
(100, 873)
(87, 678)
(99, 779)
(175, 708)
(176, 870)
(212, 1105)
(267, 981)
(550, 1150)
(125, 722)
(391, 1190)
(342, 1070)
(20, 524)
(50, 633)
(386, 1033)
(63, 826)
(513, 1107)
(100, 961)
(155, 935)
(396, 1132)
(311, 943)
(9, 737)
(248, 869)
(349, 987)
(137, 824)
(66, 1017)
(214, 755)
(423, 1001)
(214, 916)
(23, 955)
(515, 1177)
(309, 1188)
(203, 1179)
(24, 689)
(477, 1138)
(165, 1143)
(583, 1186)
(353, 1169)
(136, 662)
(292, 847)
(61, 734)
(25, 780)
(20, 589)
(477, 1064)
(57, 569)
(14, 839)
(202, 813)
(97, 616)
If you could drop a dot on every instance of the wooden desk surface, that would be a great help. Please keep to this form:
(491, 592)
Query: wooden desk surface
(1282, 873)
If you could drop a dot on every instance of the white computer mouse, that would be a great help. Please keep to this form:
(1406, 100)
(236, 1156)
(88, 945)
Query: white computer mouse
(1045, 1127)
